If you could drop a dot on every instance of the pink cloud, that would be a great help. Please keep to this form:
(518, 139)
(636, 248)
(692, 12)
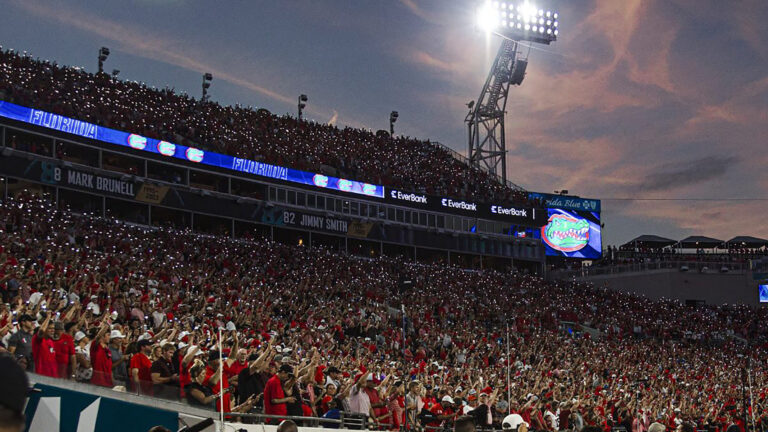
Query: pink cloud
(419, 12)
(423, 58)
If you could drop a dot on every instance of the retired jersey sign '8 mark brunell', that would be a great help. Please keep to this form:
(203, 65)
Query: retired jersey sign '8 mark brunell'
(99, 183)
(57, 175)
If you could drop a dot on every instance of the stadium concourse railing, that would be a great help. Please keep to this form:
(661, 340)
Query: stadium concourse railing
(684, 266)
(53, 388)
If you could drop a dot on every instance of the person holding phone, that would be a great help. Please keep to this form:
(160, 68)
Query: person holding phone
(275, 400)
(199, 394)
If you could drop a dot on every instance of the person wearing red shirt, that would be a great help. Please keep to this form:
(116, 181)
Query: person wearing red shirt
(442, 411)
(379, 410)
(274, 397)
(235, 365)
(43, 351)
(240, 362)
(64, 346)
(101, 358)
(330, 392)
(212, 377)
(185, 365)
(141, 375)
(396, 405)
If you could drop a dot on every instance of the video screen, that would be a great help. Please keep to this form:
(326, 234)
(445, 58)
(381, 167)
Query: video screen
(763, 289)
(572, 234)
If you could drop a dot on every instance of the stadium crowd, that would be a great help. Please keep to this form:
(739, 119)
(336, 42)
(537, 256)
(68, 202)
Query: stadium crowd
(400, 162)
(308, 332)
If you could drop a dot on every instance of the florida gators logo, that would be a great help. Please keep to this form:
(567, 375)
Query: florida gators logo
(565, 233)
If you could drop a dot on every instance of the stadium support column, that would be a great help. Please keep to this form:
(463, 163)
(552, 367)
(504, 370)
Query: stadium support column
(485, 121)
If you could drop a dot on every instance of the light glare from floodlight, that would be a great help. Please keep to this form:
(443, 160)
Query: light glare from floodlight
(528, 9)
(487, 17)
(522, 19)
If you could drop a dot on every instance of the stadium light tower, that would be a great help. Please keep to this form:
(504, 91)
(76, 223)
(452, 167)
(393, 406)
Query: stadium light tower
(207, 78)
(302, 104)
(392, 119)
(103, 54)
(514, 21)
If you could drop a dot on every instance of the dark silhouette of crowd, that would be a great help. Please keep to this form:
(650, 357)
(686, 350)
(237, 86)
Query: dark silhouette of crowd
(304, 331)
(631, 254)
(400, 162)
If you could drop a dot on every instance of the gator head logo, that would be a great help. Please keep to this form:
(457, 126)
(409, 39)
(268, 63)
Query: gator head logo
(565, 233)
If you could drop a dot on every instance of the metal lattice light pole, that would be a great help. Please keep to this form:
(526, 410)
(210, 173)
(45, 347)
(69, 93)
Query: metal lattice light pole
(392, 119)
(103, 54)
(302, 104)
(207, 78)
(514, 21)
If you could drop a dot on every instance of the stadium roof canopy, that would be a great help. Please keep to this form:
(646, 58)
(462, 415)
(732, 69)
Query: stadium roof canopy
(694, 242)
(652, 241)
(746, 241)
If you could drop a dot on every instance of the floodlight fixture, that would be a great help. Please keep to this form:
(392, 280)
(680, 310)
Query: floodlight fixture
(302, 104)
(103, 54)
(392, 119)
(207, 78)
(514, 21)
(519, 20)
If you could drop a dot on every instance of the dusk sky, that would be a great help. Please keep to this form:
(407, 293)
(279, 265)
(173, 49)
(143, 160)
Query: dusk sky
(658, 107)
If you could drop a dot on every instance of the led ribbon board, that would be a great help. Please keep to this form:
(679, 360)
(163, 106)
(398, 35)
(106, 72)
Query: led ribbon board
(191, 154)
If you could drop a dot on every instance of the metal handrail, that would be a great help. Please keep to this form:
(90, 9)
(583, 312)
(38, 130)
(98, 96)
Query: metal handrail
(346, 420)
(713, 266)
(284, 417)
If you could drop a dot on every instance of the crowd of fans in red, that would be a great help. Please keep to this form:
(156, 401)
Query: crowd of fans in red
(400, 162)
(306, 331)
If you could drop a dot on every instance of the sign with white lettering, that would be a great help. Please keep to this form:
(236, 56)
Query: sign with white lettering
(52, 408)
(314, 222)
(408, 197)
(566, 202)
(93, 182)
(52, 173)
(526, 216)
(512, 211)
